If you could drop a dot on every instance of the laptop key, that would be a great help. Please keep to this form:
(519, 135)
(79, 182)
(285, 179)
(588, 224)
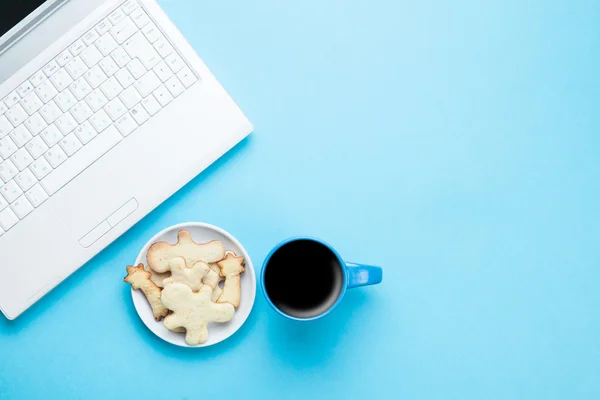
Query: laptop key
(130, 97)
(140, 114)
(31, 103)
(76, 68)
(37, 78)
(126, 124)
(55, 156)
(100, 121)
(7, 147)
(46, 91)
(151, 105)
(109, 66)
(35, 124)
(103, 27)
(151, 32)
(115, 109)
(175, 87)
(111, 88)
(21, 159)
(129, 6)
(36, 195)
(11, 191)
(85, 132)
(138, 46)
(80, 88)
(76, 48)
(187, 77)
(116, 17)
(26, 180)
(50, 68)
(20, 136)
(8, 219)
(61, 79)
(163, 71)
(66, 123)
(63, 58)
(95, 76)
(5, 126)
(96, 100)
(123, 30)
(36, 147)
(90, 37)
(147, 83)
(50, 112)
(106, 44)
(51, 135)
(8, 170)
(120, 57)
(136, 68)
(40, 168)
(25, 88)
(21, 207)
(16, 115)
(70, 144)
(163, 96)
(140, 18)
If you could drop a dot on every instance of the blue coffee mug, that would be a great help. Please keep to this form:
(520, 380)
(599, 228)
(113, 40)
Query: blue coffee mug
(284, 271)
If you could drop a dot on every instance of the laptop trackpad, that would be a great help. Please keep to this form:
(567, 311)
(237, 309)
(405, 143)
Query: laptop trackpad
(89, 200)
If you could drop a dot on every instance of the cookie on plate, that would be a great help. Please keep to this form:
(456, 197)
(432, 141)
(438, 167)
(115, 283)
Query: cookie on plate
(160, 253)
(231, 268)
(140, 280)
(191, 276)
(193, 311)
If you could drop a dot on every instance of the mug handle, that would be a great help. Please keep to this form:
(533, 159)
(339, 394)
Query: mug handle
(363, 275)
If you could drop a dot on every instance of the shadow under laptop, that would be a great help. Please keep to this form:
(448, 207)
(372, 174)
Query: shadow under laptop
(37, 312)
(302, 345)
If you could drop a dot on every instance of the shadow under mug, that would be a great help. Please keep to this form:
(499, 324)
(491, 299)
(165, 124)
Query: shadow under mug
(310, 274)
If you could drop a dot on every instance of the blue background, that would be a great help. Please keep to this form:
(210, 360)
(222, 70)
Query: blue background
(454, 143)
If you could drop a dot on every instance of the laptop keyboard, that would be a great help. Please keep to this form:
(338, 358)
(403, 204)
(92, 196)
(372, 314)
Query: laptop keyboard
(82, 103)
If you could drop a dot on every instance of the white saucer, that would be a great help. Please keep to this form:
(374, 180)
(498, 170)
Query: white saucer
(217, 332)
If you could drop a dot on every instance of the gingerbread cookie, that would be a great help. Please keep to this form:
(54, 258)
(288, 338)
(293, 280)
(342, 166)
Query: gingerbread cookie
(193, 311)
(160, 253)
(213, 276)
(217, 292)
(157, 277)
(140, 280)
(231, 268)
(191, 276)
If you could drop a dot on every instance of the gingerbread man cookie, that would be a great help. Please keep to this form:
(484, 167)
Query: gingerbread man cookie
(191, 276)
(159, 254)
(213, 276)
(157, 277)
(193, 311)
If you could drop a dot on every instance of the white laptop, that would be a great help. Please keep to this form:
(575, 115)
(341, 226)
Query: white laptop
(105, 111)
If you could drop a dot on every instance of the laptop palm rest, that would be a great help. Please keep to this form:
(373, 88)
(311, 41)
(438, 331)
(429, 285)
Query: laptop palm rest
(87, 202)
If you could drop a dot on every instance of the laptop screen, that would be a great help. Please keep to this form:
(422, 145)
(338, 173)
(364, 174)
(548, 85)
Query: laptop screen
(14, 11)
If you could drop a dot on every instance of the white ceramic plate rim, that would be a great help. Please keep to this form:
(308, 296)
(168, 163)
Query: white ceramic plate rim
(140, 301)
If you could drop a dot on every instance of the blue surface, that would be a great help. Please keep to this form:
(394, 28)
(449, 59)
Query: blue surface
(454, 143)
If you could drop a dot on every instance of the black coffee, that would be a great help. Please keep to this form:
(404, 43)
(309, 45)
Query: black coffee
(303, 278)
